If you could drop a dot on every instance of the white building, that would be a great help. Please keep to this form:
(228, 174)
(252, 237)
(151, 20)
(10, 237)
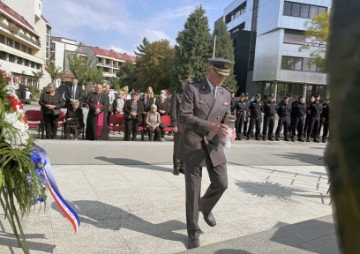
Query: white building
(267, 38)
(24, 40)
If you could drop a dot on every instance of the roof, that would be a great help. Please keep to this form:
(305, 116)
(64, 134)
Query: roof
(68, 75)
(16, 16)
(46, 21)
(113, 54)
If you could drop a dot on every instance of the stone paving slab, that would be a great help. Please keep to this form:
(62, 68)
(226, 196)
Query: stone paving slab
(141, 209)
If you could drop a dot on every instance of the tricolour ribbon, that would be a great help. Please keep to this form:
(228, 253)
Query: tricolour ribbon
(66, 209)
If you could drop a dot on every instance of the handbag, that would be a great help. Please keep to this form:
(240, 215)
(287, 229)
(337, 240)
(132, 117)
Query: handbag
(162, 125)
(56, 112)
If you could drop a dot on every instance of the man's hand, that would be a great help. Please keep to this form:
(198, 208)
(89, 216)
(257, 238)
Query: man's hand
(233, 136)
(97, 111)
(220, 129)
(133, 114)
(175, 129)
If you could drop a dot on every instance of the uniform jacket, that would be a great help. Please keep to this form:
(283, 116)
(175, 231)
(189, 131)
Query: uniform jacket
(325, 110)
(298, 109)
(315, 109)
(255, 109)
(174, 109)
(284, 110)
(270, 108)
(198, 111)
(240, 107)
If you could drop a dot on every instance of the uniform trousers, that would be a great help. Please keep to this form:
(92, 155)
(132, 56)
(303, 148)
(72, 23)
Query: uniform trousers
(218, 185)
(240, 118)
(313, 128)
(176, 162)
(298, 124)
(269, 122)
(257, 123)
(283, 121)
(325, 124)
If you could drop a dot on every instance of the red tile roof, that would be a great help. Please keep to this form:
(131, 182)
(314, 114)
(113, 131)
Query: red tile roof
(16, 16)
(68, 75)
(113, 54)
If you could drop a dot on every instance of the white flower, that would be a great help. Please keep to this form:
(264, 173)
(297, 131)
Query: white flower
(11, 90)
(17, 136)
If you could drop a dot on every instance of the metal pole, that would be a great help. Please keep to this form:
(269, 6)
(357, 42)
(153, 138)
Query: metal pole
(214, 47)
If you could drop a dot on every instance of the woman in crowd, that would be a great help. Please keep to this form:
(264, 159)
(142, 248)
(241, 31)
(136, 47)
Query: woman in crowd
(51, 103)
(96, 124)
(74, 120)
(133, 110)
(153, 123)
(163, 105)
(149, 99)
(118, 104)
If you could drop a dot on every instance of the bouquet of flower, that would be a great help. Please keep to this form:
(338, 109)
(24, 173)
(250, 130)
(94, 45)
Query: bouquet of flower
(25, 170)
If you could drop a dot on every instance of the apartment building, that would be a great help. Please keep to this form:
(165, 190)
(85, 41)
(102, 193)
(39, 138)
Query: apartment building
(24, 41)
(267, 36)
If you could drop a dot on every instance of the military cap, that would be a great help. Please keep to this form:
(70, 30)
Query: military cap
(258, 95)
(242, 95)
(221, 65)
(272, 95)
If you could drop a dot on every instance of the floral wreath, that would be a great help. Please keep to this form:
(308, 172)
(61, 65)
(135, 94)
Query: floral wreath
(25, 171)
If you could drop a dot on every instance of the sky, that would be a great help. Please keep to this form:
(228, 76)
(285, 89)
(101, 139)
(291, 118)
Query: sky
(122, 24)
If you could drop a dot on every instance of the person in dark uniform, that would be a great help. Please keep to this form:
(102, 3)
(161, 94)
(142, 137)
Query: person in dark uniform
(314, 110)
(298, 112)
(246, 118)
(269, 109)
(307, 119)
(133, 110)
(283, 112)
(255, 117)
(203, 112)
(325, 119)
(20, 89)
(96, 124)
(176, 99)
(240, 111)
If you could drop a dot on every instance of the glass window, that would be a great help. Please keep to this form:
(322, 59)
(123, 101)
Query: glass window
(9, 42)
(298, 63)
(11, 58)
(2, 55)
(313, 11)
(304, 11)
(2, 38)
(322, 10)
(287, 63)
(306, 65)
(295, 10)
(287, 9)
(294, 37)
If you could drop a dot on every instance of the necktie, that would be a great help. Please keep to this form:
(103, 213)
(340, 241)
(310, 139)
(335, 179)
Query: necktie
(73, 92)
(215, 91)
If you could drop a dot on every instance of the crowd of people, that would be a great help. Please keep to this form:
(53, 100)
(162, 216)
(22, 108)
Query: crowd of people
(300, 120)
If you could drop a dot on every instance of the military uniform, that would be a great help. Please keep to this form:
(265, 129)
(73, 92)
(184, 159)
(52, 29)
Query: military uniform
(298, 113)
(255, 119)
(269, 110)
(240, 111)
(325, 121)
(200, 147)
(284, 120)
(315, 109)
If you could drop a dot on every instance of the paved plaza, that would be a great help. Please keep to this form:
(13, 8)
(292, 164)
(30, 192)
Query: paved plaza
(128, 201)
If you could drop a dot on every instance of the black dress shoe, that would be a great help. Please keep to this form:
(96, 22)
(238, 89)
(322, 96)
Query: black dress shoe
(181, 170)
(210, 219)
(176, 171)
(193, 243)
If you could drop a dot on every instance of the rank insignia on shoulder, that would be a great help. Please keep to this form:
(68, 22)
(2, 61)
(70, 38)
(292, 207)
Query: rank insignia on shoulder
(203, 87)
(226, 103)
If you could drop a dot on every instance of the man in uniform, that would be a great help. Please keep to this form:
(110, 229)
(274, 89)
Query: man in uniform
(176, 99)
(298, 112)
(255, 117)
(314, 111)
(325, 119)
(284, 119)
(240, 111)
(203, 112)
(269, 110)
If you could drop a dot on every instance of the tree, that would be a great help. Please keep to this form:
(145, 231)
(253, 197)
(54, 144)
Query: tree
(317, 34)
(81, 67)
(194, 46)
(342, 155)
(38, 75)
(224, 48)
(127, 74)
(154, 65)
(54, 71)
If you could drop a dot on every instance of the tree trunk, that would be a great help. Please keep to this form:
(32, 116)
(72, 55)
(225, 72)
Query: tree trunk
(343, 152)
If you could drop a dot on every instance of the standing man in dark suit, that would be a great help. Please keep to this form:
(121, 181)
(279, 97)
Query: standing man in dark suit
(20, 89)
(269, 110)
(203, 112)
(176, 99)
(74, 93)
(255, 108)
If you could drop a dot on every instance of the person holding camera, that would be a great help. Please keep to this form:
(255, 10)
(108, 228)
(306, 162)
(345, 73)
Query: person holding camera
(51, 102)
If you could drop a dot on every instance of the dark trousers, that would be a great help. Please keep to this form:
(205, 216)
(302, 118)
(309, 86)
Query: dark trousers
(131, 126)
(176, 162)
(218, 185)
(298, 124)
(240, 118)
(257, 123)
(283, 121)
(246, 123)
(72, 129)
(306, 127)
(269, 122)
(154, 134)
(313, 128)
(50, 123)
(325, 124)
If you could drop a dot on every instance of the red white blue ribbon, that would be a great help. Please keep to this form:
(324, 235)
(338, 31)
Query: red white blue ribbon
(66, 209)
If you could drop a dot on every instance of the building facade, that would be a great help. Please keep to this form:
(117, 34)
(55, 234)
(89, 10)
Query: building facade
(25, 41)
(268, 35)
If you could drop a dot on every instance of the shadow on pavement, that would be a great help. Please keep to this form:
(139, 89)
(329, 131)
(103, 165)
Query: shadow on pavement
(133, 163)
(106, 216)
(231, 251)
(270, 189)
(304, 157)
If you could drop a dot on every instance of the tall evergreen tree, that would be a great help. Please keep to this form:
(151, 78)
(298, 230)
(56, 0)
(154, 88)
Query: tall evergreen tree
(224, 48)
(194, 46)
